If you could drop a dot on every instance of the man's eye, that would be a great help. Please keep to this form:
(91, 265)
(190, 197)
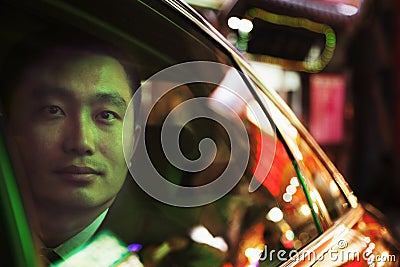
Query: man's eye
(107, 116)
(53, 111)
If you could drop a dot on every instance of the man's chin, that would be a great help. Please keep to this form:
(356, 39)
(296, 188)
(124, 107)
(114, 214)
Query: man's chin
(77, 201)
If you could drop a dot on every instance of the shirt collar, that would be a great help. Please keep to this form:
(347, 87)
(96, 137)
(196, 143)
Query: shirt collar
(80, 238)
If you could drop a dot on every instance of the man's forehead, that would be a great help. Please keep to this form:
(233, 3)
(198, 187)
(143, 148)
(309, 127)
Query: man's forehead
(69, 60)
(98, 74)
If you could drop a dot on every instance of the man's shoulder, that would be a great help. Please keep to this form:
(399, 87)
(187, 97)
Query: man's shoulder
(123, 217)
(135, 217)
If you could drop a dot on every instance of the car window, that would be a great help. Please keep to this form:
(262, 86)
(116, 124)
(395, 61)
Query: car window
(245, 222)
(323, 189)
(201, 124)
(16, 247)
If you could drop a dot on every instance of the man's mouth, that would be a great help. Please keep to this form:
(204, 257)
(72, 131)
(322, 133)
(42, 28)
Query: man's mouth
(81, 174)
(72, 169)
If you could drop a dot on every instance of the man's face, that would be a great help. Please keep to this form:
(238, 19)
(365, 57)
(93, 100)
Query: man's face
(66, 120)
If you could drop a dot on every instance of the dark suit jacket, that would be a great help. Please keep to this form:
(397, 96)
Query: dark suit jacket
(135, 217)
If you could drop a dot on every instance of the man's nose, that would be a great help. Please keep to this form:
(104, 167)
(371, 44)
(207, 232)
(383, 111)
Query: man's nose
(80, 136)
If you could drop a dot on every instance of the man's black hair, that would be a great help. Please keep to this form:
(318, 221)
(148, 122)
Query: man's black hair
(36, 48)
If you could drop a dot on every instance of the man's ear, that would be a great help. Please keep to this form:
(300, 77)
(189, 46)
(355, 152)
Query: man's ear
(137, 132)
(132, 147)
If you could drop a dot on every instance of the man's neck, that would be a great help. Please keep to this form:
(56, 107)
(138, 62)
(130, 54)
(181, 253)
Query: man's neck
(58, 225)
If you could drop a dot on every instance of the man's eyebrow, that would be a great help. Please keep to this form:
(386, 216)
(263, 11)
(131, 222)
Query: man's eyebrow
(99, 98)
(110, 98)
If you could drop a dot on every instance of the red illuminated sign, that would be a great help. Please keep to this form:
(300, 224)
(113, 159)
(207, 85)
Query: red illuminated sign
(327, 98)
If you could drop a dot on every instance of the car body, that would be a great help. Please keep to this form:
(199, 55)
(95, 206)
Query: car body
(288, 205)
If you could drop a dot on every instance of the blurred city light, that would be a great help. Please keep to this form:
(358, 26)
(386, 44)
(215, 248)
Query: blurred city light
(347, 10)
(234, 23)
(305, 210)
(201, 235)
(275, 215)
(287, 197)
(291, 189)
(294, 181)
(245, 25)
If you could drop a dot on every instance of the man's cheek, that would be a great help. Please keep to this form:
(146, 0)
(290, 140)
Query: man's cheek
(114, 146)
(44, 137)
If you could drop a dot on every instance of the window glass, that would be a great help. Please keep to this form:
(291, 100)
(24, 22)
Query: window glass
(326, 187)
(324, 191)
(199, 122)
(274, 217)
